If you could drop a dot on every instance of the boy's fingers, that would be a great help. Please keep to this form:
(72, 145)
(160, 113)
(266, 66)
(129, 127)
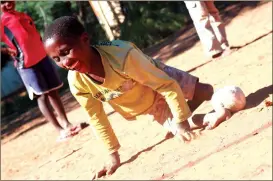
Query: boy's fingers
(101, 173)
(208, 127)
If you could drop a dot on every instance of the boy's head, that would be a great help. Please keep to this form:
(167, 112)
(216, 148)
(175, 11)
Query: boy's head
(67, 43)
(7, 6)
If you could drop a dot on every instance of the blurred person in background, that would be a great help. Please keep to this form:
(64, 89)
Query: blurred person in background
(209, 27)
(40, 77)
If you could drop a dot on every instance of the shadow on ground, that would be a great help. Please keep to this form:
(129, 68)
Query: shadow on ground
(12, 123)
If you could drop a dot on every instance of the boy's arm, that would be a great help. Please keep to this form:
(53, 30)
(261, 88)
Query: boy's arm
(98, 118)
(141, 69)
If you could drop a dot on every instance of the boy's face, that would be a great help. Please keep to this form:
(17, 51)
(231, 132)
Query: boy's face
(70, 53)
(7, 6)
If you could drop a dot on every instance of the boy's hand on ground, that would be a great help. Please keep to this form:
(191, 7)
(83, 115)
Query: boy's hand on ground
(109, 168)
(183, 131)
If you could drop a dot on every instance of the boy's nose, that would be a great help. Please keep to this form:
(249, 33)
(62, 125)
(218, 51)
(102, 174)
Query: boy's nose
(65, 62)
(68, 62)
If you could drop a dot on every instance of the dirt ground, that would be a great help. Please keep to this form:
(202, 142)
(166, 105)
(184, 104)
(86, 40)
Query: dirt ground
(240, 148)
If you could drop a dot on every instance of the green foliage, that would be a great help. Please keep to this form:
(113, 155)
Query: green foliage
(44, 12)
(40, 12)
(146, 22)
(149, 22)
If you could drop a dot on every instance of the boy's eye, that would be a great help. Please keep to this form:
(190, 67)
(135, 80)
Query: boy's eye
(66, 52)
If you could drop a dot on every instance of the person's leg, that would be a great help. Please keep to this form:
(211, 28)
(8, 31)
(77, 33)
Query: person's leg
(44, 106)
(200, 16)
(33, 82)
(203, 92)
(54, 83)
(217, 24)
(57, 104)
(194, 91)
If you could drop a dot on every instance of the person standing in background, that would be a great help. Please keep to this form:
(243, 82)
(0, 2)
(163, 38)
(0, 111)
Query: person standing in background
(209, 27)
(24, 45)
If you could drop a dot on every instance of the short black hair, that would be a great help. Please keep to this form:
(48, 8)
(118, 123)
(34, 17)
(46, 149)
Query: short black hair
(64, 27)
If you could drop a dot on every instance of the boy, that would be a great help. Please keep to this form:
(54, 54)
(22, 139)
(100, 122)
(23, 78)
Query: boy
(132, 83)
(34, 66)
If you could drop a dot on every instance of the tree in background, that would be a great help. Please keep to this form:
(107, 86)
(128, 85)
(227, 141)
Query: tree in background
(110, 16)
(44, 12)
(144, 23)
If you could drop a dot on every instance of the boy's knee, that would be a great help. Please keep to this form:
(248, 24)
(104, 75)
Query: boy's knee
(210, 90)
(204, 91)
(41, 98)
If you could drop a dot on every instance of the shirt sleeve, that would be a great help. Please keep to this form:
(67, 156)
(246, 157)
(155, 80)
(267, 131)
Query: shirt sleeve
(2, 31)
(4, 37)
(141, 68)
(98, 118)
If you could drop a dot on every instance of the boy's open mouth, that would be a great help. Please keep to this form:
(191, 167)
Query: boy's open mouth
(74, 66)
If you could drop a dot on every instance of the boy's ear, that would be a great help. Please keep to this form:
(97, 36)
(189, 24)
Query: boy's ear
(85, 37)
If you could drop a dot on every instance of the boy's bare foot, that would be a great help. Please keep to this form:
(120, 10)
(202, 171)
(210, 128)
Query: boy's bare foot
(212, 120)
(71, 130)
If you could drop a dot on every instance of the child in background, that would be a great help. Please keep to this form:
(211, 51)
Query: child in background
(39, 75)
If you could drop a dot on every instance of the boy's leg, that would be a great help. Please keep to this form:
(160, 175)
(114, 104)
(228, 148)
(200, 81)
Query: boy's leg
(203, 92)
(194, 91)
(161, 113)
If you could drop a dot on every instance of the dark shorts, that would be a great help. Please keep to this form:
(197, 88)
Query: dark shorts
(40, 78)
